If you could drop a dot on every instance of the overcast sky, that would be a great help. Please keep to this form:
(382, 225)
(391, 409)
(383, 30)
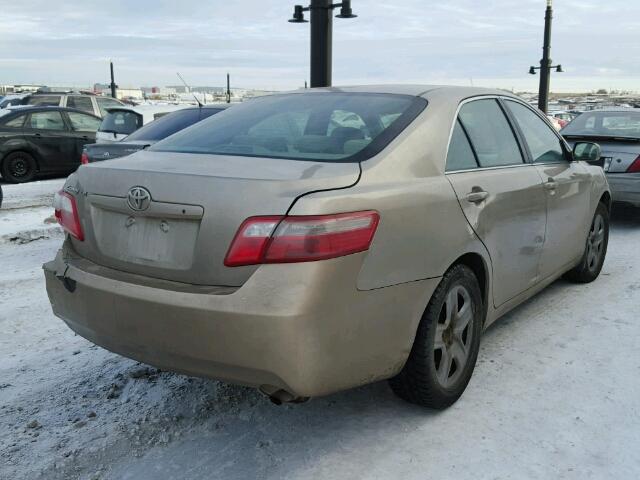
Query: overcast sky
(488, 42)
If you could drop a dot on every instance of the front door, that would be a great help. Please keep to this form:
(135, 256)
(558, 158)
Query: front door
(502, 197)
(567, 189)
(84, 129)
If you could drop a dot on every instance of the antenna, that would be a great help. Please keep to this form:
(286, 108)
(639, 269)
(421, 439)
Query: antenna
(186, 85)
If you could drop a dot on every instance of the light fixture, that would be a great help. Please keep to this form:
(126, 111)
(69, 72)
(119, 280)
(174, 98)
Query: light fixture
(345, 10)
(298, 15)
(532, 71)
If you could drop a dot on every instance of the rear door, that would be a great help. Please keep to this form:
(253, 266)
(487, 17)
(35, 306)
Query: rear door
(52, 139)
(84, 129)
(567, 189)
(501, 195)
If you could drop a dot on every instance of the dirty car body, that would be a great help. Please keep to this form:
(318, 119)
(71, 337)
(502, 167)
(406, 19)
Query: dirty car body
(294, 242)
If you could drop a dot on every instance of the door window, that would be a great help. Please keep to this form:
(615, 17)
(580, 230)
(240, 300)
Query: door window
(83, 123)
(44, 100)
(17, 122)
(46, 121)
(544, 145)
(490, 133)
(460, 155)
(81, 103)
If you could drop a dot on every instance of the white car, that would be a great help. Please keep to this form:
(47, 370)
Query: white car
(120, 122)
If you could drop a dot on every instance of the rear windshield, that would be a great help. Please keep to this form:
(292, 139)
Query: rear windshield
(171, 123)
(606, 124)
(329, 127)
(121, 122)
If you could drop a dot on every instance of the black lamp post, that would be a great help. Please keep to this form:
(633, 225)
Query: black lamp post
(545, 64)
(113, 83)
(321, 35)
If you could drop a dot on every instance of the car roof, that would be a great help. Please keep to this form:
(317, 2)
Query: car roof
(425, 91)
(44, 108)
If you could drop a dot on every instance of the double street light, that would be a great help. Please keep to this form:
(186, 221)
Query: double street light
(321, 35)
(546, 63)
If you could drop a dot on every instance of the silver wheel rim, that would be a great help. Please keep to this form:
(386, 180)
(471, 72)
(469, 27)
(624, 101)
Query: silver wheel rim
(453, 337)
(595, 242)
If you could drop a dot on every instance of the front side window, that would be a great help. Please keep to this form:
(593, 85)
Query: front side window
(46, 121)
(329, 127)
(544, 145)
(122, 122)
(460, 155)
(44, 100)
(83, 123)
(16, 122)
(81, 103)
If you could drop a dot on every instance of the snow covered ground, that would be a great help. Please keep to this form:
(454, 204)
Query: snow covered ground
(554, 395)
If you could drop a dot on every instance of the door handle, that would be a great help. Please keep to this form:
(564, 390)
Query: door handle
(37, 135)
(551, 184)
(477, 196)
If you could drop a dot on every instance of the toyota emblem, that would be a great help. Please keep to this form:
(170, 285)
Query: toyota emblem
(139, 198)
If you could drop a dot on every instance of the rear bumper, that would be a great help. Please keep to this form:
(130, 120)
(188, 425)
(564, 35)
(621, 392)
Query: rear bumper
(625, 187)
(304, 328)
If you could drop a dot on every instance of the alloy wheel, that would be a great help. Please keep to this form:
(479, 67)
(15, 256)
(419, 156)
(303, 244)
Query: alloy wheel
(595, 242)
(453, 336)
(19, 167)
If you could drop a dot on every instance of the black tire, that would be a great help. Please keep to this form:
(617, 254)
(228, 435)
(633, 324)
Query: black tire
(19, 167)
(0, 196)
(595, 249)
(424, 379)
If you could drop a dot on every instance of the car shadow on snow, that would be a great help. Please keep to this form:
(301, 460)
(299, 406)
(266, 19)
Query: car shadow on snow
(625, 217)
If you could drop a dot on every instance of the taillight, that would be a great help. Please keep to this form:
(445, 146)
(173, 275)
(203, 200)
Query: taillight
(66, 211)
(84, 159)
(635, 166)
(301, 238)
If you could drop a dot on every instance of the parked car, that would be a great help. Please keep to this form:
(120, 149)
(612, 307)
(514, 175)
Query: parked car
(618, 134)
(13, 100)
(93, 104)
(273, 246)
(120, 122)
(565, 116)
(556, 122)
(37, 140)
(149, 134)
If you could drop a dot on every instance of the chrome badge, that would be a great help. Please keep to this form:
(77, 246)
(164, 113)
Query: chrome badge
(139, 199)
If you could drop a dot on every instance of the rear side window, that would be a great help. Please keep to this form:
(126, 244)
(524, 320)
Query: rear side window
(106, 102)
(170, 124)
(490, 133)
(544, 145)
(122, 122)
(46, 121)
(83, 123)
(81, 103)
(325, 127)
(460, 155)
(17, 122)
(44, 100)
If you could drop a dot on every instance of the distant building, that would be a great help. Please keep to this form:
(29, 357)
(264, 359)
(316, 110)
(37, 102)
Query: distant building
(19, 88)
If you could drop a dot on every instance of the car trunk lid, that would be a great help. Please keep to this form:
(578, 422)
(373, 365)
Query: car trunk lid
(197, 202)
(618, 153)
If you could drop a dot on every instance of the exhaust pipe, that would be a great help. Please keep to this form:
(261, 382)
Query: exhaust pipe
(278, 396)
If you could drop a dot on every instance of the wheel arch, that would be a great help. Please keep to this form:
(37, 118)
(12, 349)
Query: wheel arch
(479, 267)
(605, 199)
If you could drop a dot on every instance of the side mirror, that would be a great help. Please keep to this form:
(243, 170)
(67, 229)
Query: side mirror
(587, 152)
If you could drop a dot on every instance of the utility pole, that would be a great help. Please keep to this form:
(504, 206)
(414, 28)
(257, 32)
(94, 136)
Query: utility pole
(228, 89)
(545, 64)
(113, 83)
(321, 36)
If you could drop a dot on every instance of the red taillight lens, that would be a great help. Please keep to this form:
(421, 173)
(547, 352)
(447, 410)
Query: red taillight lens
(66, 212)
(635, 166)
(84, 159)
(301, 238)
